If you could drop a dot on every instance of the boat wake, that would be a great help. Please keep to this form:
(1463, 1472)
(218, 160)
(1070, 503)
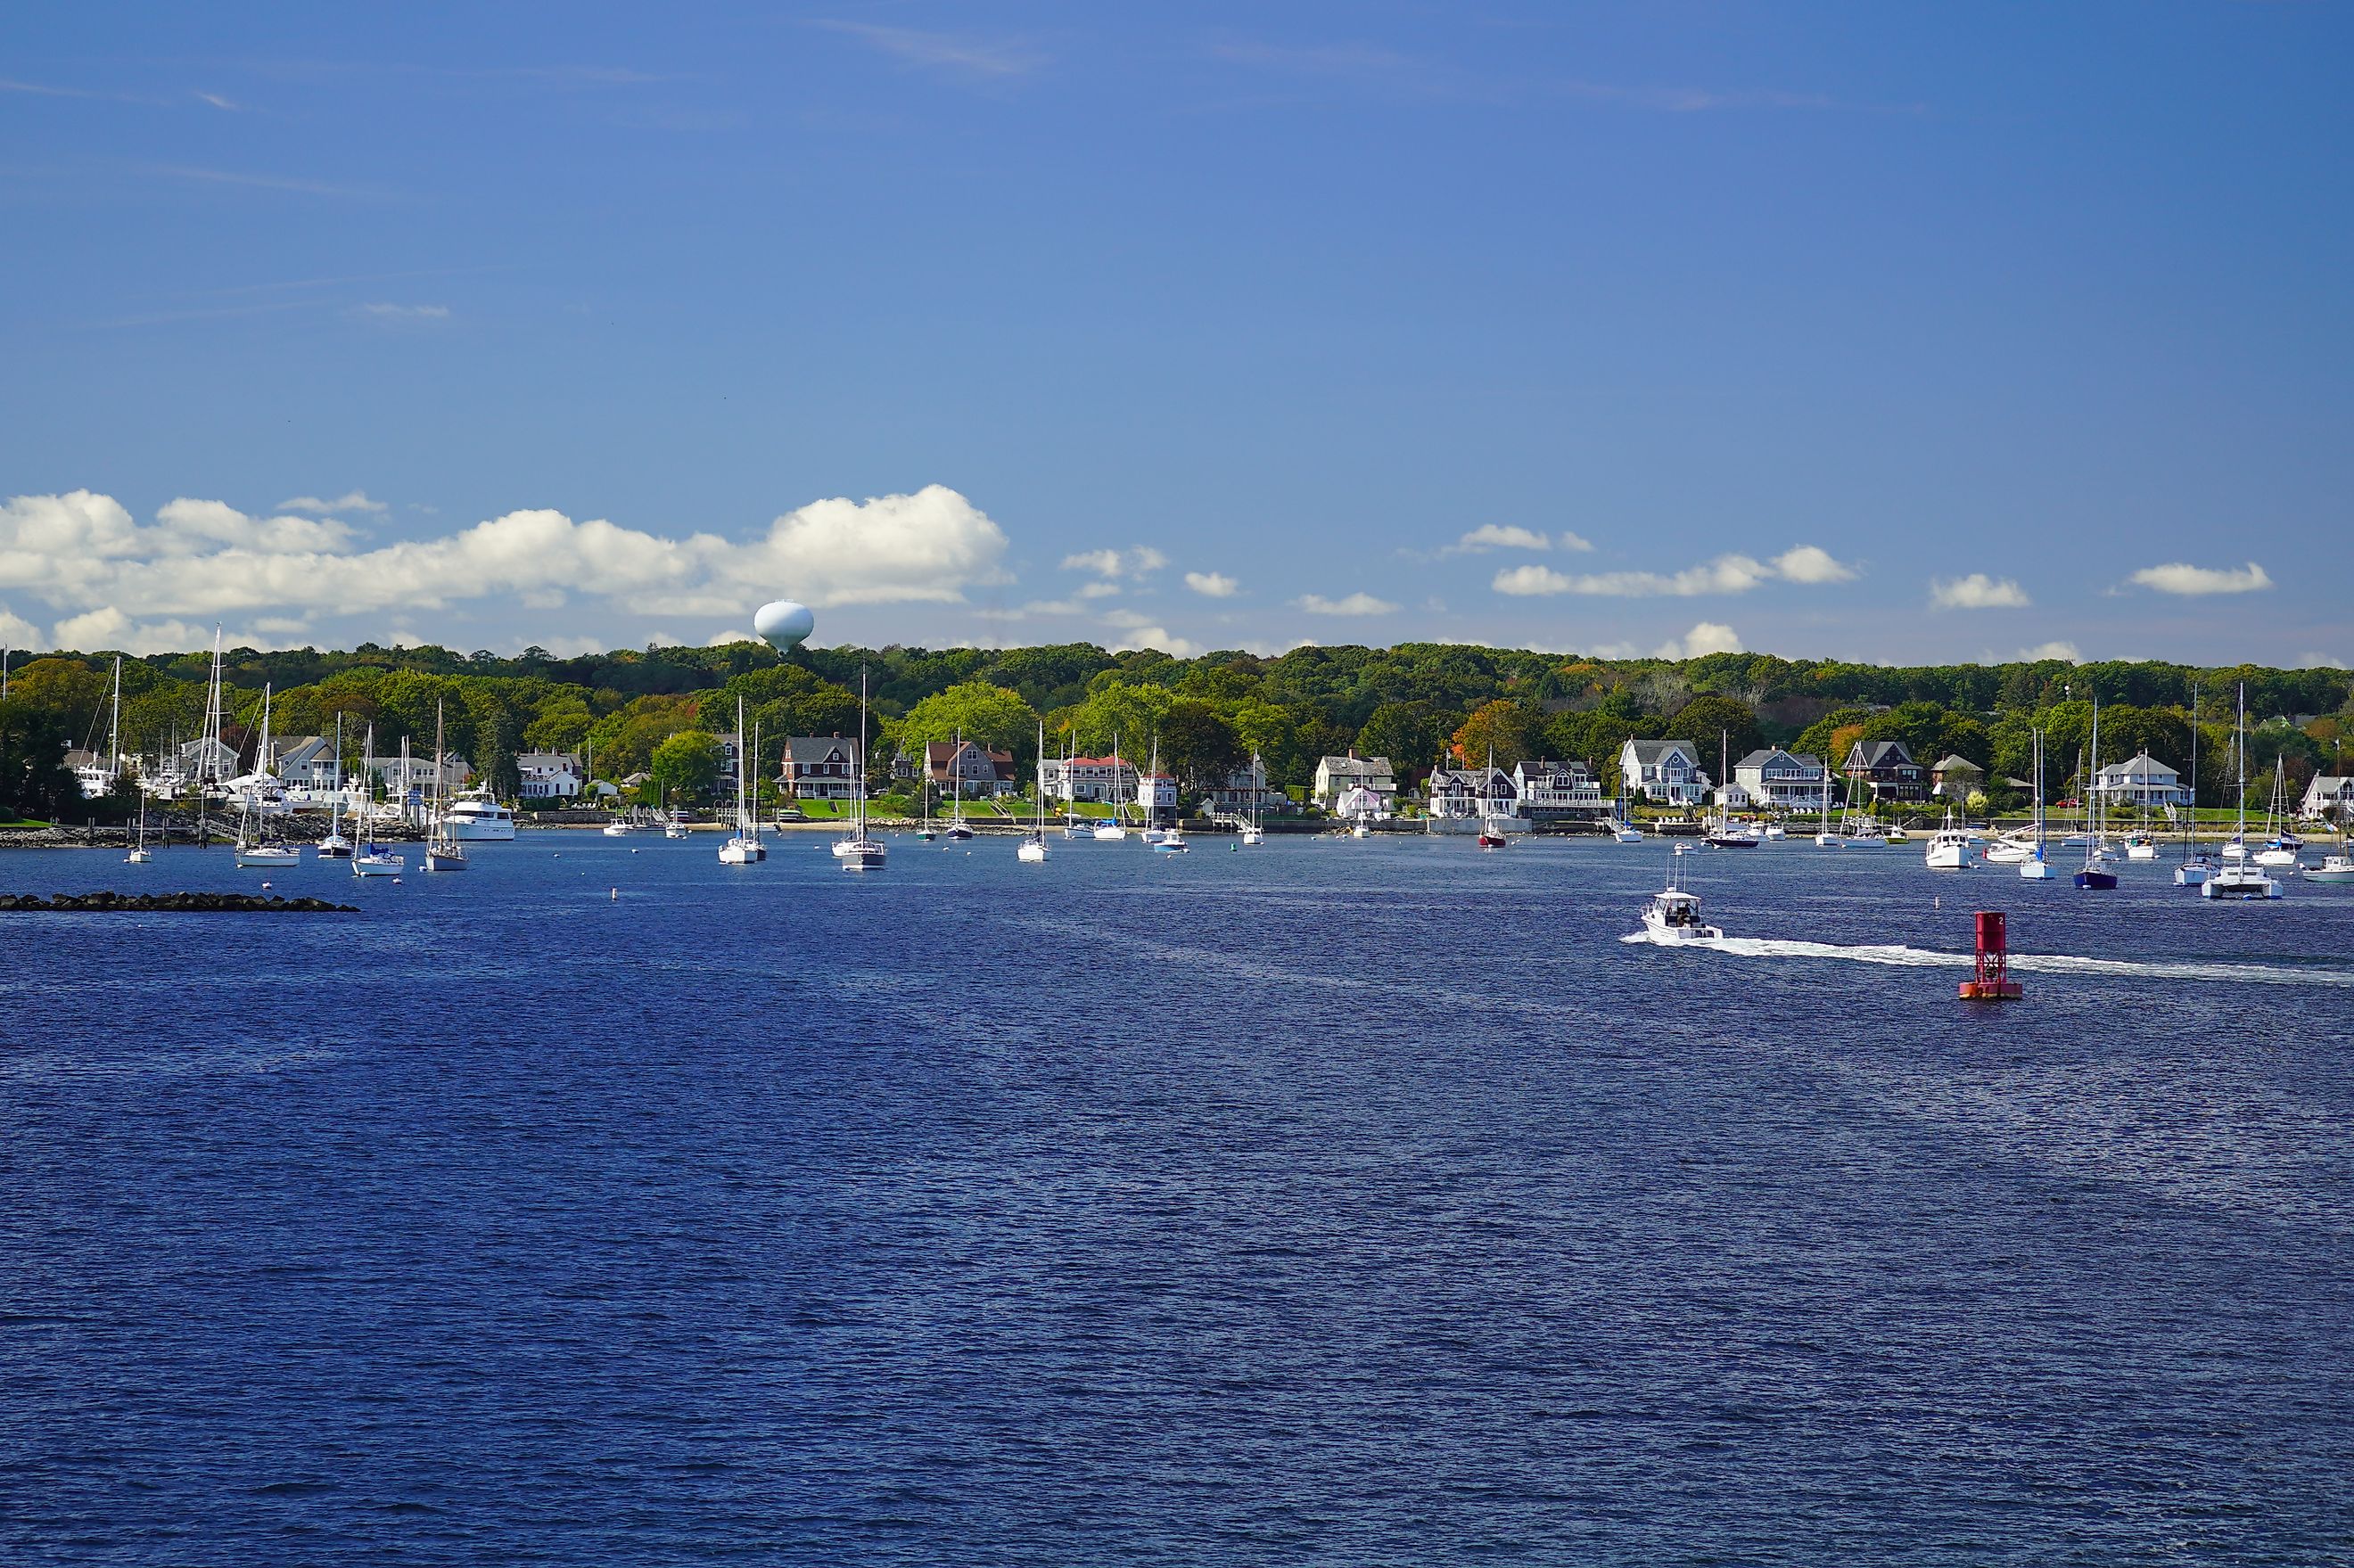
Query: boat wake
(1901, 957)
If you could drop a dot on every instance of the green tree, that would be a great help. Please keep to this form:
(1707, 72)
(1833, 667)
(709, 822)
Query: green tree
(1197, 746)
(1511, 732)
(1408, 734)
(1717, 724)
(994, 717)
(33, 772)
(685, 766)
(1118, 711)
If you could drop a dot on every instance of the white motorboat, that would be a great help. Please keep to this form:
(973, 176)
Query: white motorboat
(1171, 842)
(1773, 830)
(674, 829)
(2333, 868)
(2140, 846)
(475, 816)
(1949, 848)
(1672, 918)
(2194, 872)
(620, 828)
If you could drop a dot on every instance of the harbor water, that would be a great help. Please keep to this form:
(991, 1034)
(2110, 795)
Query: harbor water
(1327, 1202)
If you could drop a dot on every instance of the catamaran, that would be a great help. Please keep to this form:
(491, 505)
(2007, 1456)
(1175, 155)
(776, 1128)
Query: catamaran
(858, 851)
(745, 848)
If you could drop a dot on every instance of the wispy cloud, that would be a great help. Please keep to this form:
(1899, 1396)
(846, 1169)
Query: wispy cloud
(1978, 591)
(350, 500)
(385, 315)
(1352, 604)
(2041, 651)
(959, 54)
(248, 181)
(218, 101)
(2178, 578)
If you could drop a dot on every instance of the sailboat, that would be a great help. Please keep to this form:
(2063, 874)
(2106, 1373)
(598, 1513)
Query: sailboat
(442, 851)
(2036, 867)
(1725, 834)
(334, 846)
(250, 850)
(745, 848)
(1114, 828)
(2237, 880)
(1618, 824)
(2197, 866)
(956, 830)
(140, 853)
(209, 746)
(370, 858)
(1034, 847)
(857, 849)
(1252, 834)
(2095, 876)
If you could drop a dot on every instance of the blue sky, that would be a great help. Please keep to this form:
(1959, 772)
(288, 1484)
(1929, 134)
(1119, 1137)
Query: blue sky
(1871, 332)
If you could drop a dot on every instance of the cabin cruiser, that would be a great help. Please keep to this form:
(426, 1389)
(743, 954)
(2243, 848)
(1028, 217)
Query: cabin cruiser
(476, 817)
(1672, 918)
(1949, 848)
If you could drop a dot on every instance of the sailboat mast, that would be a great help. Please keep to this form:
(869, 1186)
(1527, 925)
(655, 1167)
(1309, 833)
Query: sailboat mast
(115, 723)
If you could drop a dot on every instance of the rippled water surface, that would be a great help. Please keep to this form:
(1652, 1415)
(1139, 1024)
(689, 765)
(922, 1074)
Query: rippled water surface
(1330, 1201)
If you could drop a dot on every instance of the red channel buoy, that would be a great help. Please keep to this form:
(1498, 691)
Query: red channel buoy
(1992, 980)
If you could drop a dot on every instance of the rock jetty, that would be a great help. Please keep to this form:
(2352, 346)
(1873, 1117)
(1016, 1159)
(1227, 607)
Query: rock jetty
(168, 903)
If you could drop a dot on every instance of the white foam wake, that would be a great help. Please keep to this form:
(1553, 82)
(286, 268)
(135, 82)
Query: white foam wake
(1903, 956)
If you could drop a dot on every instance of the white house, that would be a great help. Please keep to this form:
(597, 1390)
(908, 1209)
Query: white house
(1338, 776)
(1156, 796)
(821, 767)
(2329, 791)
(401, 775)
(308, 762)
(1245, 790)
(1472, 794)
(1784, 779)
(2140, 781)
(550, 776)
(1558, 789)
(968, 769)
(1099, 780)
(1667, 771)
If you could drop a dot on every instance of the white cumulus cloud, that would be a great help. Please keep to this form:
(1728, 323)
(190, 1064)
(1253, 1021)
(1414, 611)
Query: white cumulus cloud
(1212, 585)
(1351, 604)
(2043, 650)
(82, 552)
(1978, 591)
(1708, 637)
(1139, 562)
(1511, 537)
(2178, 578)
(1726, 573)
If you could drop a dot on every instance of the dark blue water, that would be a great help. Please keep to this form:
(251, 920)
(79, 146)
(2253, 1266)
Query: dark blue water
(1336, 1203)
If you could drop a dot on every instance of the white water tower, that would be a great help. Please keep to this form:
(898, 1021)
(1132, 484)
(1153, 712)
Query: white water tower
(783, 625)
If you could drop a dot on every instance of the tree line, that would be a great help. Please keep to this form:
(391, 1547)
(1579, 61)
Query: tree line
(1419, 704)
